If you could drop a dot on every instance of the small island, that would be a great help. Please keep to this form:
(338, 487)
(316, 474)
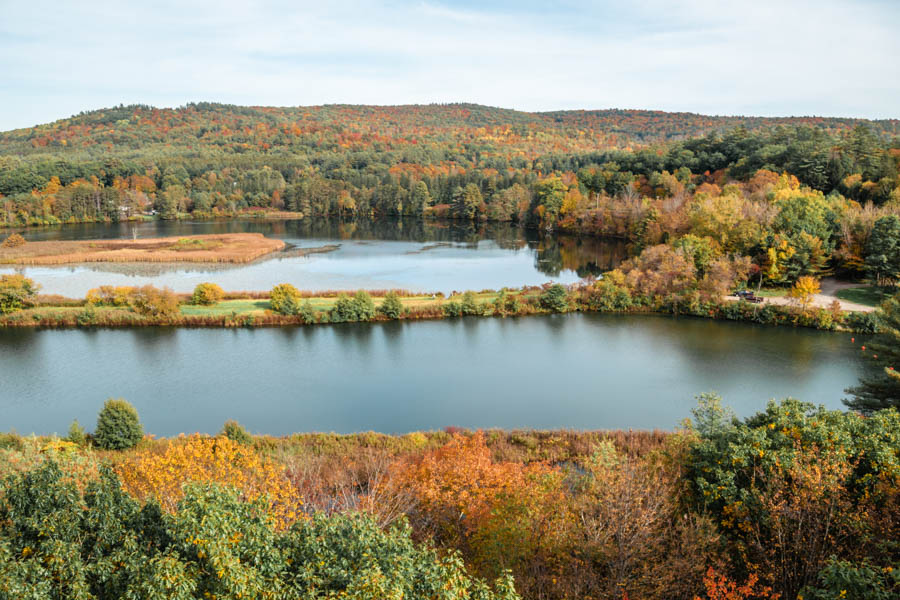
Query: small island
(218, 248)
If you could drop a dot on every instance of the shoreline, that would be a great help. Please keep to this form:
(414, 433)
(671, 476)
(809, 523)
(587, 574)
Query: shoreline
(251, 309)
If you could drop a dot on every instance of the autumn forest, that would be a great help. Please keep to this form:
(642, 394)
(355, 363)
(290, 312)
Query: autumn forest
(720, 218)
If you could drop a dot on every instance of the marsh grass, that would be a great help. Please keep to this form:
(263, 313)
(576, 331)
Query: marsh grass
(219, 248)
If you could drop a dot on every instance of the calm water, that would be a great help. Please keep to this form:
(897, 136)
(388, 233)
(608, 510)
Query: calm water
(372, 255)
(576, 371)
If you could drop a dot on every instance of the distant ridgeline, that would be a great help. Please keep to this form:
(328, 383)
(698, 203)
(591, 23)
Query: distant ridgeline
(455, 160)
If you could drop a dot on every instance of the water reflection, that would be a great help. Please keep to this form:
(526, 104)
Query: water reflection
(412, 254)
(581, 371)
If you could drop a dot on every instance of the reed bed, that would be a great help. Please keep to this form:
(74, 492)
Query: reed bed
(218, 248)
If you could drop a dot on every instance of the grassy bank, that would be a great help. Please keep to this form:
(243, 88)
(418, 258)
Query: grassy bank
(254, 309)
(865, 295)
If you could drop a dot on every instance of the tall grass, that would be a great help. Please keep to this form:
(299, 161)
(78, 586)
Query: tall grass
(219, 248)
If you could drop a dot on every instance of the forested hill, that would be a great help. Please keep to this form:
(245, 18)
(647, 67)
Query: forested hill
(456, 160)
(379, 128)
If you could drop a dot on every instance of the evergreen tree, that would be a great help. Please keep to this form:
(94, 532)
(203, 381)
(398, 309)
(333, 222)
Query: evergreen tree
(883, 251)
(881, 388)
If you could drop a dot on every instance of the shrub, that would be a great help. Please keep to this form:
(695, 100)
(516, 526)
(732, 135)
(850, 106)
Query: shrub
(161, 476)
(555, 298)
(118, 426)
(86, 316)
(285, 299)
(13, 241)
(786, 485)
(16, 292)
(452, 309)
(608, 294)
(358, 308)
(58, 541)
(470, 305)
(154, 302)
(391, 307)
(506, 303)
(108, 295)
(76, 434)
(207, 294)
(845, 580)
(307, 312)
(235, 432)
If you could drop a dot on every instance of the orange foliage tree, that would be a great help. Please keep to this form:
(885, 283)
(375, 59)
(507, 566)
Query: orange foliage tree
(502, 515)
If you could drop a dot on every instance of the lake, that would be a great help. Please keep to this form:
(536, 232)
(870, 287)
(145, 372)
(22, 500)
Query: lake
(582, 371)
(387, 254)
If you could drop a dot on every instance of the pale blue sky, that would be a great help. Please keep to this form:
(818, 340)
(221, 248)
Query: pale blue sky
(759, 57)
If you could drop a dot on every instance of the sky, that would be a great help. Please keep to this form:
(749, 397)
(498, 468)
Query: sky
(724, 57)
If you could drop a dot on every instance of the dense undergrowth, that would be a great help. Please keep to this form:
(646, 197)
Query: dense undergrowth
(795, 501)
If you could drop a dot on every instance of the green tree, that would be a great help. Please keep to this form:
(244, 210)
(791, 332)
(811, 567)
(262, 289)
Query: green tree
(235, 432)
(466, 202)
(391, 307)
(555, 298)
(880, 387)
(118, 426)
(548, 199)
(76, 433)
(883, 251)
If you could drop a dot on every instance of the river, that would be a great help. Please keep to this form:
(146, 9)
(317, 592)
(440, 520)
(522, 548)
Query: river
(582, 371)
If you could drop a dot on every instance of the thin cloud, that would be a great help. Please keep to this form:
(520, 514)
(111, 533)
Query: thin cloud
(770, 57)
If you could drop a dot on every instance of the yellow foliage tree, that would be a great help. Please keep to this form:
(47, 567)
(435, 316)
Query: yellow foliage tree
(804, 289)
(161, 475)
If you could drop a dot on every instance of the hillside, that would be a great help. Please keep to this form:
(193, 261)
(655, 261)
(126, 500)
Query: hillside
(460, 160)
(359, 128)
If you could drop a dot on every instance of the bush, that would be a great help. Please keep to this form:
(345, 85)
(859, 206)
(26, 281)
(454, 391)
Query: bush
(76, 434)
(108, 295)
(470, 305)
(86, 316)
(235, 432)
(555, 299)
(608, 294)
(118, 426)
(307, 313)
(845, 580)
(16, 292)
(358, 308)
(861, 322)
(207, 294)
(788, 485)
(391, 307)
(154, 302)
(59, 541)
(506, 303)
(13, 241)
(452, 309)
(285, 299)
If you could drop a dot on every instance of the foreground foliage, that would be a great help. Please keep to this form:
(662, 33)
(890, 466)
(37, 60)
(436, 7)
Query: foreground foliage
(56, 542)
(794, 502)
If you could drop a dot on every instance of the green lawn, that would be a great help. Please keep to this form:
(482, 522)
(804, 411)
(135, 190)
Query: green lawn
(258, 307)
(227, 307)
(771, 292)
(866, 295)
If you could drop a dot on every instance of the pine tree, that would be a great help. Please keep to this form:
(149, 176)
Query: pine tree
(881, 389)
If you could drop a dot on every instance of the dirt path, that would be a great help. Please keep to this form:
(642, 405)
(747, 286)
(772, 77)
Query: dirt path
(829, 287)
